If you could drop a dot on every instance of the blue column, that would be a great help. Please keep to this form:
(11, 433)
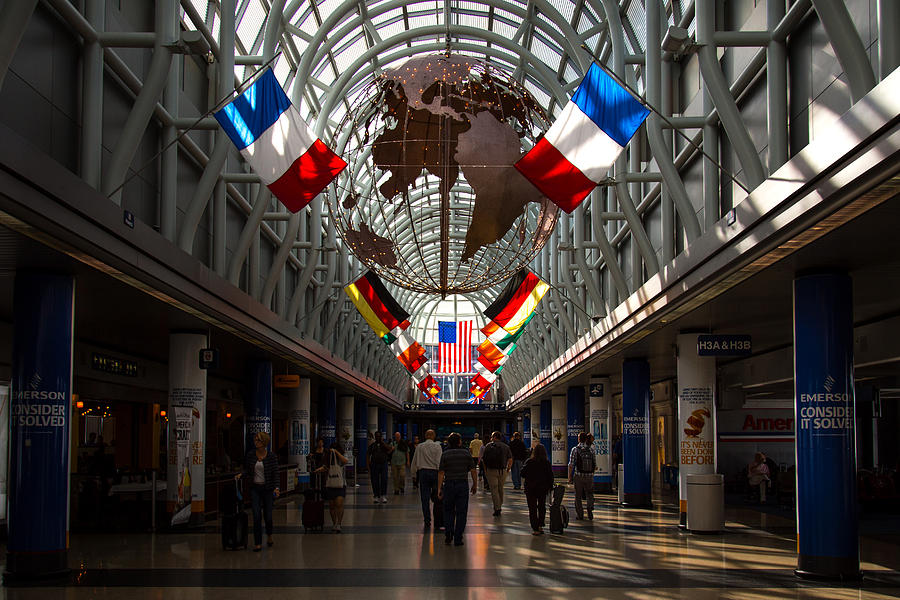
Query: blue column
(362, 432)
(382, 423)
(328, 415)
(258, 406)
(403, 431)
(827, 527)
(40, 413)
(526, 428)
(574, 416)
(636, 431)
(546, 422)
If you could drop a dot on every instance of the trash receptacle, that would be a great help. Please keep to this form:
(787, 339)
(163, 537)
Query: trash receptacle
(706, 503)
(620, 483)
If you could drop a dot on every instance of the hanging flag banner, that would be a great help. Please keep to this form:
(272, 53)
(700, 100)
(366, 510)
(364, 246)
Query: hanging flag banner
(272, 136)
(508, 314)
(376, 305)
(521, 295)
(584, 142)
(454, 346)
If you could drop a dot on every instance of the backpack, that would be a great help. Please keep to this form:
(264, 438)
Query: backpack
(584, 460)
(377, 454)
(493, 456)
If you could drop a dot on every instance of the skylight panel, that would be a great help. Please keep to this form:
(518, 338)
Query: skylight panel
(422, 19)
(389, 29)
(202, 8)
(345, 56)
(565, 7)
(638, 21)
(504, 29)
(326, 7)
(473, 20)
(252, 24)
(544, 52)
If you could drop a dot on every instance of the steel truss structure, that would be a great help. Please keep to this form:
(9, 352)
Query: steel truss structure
(327, 52)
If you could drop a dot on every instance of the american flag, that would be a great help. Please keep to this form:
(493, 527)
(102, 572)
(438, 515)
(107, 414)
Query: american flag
(455, 346)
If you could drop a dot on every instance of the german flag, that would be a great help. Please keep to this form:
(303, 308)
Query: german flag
(376, 305)
(512, 309)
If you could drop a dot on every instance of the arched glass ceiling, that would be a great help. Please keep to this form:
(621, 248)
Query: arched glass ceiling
(539, 41)
(328, 52)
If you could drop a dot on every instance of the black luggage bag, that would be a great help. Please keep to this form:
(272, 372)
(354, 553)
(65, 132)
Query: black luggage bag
(235, 524)
(559, 514)
(313, 511)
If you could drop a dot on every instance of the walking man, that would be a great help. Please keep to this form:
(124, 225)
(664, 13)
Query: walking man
(456, 463)
(582, 465)
(424, 468)
(497, 460)
(520, 455)
(377, 456)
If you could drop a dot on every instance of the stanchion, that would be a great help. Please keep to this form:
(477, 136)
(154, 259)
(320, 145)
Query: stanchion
(153, 500)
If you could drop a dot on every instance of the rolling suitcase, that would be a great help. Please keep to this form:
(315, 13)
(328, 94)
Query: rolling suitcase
(235, 524)
(313, 511)
(559, 515)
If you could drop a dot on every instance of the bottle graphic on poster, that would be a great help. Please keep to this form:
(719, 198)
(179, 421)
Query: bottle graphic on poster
(596, 428)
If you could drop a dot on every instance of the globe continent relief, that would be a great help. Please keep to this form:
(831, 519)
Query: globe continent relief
(433, 202)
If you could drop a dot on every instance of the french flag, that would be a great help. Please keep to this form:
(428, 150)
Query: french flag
(270, 134)
(584, 142)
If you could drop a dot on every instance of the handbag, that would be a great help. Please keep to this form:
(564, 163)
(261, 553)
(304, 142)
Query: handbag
(335, 473)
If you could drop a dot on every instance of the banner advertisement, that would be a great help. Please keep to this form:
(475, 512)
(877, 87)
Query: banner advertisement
(39, 415)
(526, 428)
(558, 457)
(574, 417)
(636, 431)
(827, 520)
(298, 429)
(186, 472)
(598, 397)
(545, 430)
(361, 425)
(345, 428)
(535, 424)
(696, 415)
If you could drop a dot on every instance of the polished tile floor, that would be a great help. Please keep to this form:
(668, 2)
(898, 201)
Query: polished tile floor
(383, 553)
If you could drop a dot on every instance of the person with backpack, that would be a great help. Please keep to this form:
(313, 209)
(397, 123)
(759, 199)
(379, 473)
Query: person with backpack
(538, 476)
(582, 465)
(520, 455)
(377, 461)
(497, 459)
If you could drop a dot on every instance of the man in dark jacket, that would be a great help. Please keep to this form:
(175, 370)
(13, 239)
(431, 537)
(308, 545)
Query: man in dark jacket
(520, 455)
(456, 464)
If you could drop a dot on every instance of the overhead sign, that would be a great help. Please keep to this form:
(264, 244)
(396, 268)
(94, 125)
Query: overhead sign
(723, 345)
(453, 406)
(287, 381)
(209, 358)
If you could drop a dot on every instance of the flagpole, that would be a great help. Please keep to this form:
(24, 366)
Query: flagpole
(654, 110)
(240, 89)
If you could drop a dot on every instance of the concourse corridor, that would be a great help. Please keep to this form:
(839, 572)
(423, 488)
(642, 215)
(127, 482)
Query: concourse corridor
(383, 553)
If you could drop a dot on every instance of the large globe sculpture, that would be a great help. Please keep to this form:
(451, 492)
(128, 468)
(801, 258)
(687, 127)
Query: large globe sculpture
(431, 200)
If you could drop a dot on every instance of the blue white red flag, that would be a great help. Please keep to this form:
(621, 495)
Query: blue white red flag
(584, 142)
(454, 347)
(272, 136)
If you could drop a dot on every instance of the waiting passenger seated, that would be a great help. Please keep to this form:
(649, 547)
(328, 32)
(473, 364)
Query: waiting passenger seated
(758, 475)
